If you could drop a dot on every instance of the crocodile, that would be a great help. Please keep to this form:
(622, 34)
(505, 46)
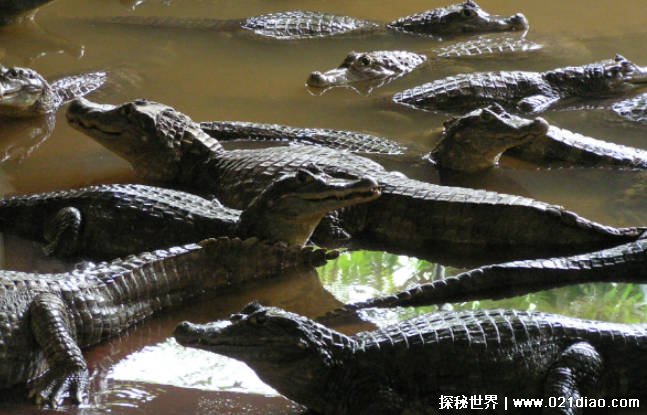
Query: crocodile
(456, 19)
(622, 263)
(381, 66)
(48, 318)
(109, 221)
(411, 216)
(408, 367)
(26, 93)
(13, 10)
(525, 91)
(476, 140)
(466, 139)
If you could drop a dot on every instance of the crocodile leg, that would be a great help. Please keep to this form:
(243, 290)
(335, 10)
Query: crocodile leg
(574, 374)
(62, 232)
(537, 103)
(52, 327)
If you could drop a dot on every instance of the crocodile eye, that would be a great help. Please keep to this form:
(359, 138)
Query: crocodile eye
(258, 319)
(467, 12)
(487, 115)
(304, 177)
(365, 60)
(126, 110)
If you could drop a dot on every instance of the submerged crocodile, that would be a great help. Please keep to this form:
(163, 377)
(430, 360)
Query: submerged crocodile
(525, 91)
(382, 66)
(25, 93)
(456, 19)
(11, 10)
(410, 216)
(623, 263)
(110, 221)
(49, 318)
(406, 368)
(468, 144)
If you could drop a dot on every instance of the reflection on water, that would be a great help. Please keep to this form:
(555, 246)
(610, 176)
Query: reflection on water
(215, 76)
(188, 368)
(377, 273)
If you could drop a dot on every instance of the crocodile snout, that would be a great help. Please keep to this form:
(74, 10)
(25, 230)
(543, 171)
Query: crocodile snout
(317, 79)
(519, 22)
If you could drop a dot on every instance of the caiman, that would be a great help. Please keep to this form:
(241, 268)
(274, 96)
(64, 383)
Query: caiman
(408, 367)
(48, 318)
(623, 263)
(109, 221)
(25, 93)
(411, 216)
(525, 91)
(12, 10)
(456, 19)
(380, 67)
(467, 144)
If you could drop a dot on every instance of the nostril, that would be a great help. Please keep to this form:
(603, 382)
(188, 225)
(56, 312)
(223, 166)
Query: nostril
(520, 21)
(316, 79)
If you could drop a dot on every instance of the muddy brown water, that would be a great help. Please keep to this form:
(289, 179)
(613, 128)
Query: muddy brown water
(216, 76)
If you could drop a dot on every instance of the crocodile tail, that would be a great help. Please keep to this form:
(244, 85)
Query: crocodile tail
(76, 86)
(197, 23)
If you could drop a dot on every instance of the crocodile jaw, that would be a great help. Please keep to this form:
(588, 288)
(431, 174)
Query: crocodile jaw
(21, 89)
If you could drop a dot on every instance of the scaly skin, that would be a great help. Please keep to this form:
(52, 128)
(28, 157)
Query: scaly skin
(49, 318)
(475, 141)
(10, 10)
(338, 139)
(25, 93)
(404, 368)
(469, 143)
(452, 20)
(623, 263)
(525, 91)
(109, 221)
(411, 216)
(634, 109)
(380, 65)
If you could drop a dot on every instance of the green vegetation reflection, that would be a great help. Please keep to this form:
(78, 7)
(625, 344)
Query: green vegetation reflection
(356, 276)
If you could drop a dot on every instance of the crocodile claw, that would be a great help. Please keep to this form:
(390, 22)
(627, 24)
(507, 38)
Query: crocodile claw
(50, 389)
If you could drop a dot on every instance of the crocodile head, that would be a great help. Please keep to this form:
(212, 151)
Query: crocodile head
(476, 140)
(287, 351)
(466, 17)
(24, 93)
(291, 207)
(154, 138)
(368, 66)
(599, 78)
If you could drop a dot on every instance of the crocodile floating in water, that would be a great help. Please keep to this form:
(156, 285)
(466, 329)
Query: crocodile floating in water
(380, 66)
(12, 10)
(48, 318)
(406, 368)
(456, 19)
(623, 263)
(25, 93)
(410, 216)
(110, 221)
(525, 91)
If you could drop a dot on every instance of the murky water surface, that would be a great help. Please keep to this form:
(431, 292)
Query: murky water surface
(216, 76)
